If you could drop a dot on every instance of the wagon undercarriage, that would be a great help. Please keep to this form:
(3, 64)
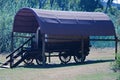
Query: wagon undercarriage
(63, 50)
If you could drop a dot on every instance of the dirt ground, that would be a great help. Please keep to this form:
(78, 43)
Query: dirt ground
(98, 62)
(96, 67)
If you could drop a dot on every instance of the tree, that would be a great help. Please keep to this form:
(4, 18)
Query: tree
(33, 3)
(41, 3)
(61, 3)
(51, 3)
(90, 5)
(109, 3)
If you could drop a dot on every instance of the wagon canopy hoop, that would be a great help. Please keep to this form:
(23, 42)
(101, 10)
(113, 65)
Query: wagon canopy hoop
(63, 23)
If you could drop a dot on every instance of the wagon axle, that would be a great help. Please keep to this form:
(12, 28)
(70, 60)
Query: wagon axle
(64, 57)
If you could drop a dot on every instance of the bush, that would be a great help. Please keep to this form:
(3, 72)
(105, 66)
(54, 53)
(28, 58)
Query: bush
(116, 65)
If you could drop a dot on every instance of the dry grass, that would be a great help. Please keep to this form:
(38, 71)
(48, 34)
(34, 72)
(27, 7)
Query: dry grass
(97, 67)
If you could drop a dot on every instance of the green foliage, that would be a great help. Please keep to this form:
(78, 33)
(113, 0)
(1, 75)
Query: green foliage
(7, 12)
(117, 63)
(114, 14)
(90, 5)
(116, 66)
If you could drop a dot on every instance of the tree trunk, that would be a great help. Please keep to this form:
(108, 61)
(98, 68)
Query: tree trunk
(109, 3)
(51, 3)
(41, 3)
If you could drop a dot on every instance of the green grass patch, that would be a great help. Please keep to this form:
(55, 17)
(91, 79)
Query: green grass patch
(36, 74)
(97, 76)
(21, 74)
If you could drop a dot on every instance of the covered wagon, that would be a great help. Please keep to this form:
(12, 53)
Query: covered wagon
(65, 32)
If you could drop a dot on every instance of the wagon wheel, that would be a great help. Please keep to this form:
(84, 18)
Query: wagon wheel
(27, 60)
(79, 58)
(39, 60)
(64, 57)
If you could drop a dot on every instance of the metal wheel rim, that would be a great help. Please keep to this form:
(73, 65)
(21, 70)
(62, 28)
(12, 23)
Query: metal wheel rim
(64, 58)
(28, 61)
(79, 59)
(40, 60)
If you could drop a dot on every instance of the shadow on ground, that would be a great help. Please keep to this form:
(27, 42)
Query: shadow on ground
(0, 63)
(66, 65)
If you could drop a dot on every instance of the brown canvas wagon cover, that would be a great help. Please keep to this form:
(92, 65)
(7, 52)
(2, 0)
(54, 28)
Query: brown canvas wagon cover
(65, 23)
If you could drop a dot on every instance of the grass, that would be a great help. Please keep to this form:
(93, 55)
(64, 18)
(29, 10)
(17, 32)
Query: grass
(70, 72)
(37, 74)
(97, 76)
(20, 74)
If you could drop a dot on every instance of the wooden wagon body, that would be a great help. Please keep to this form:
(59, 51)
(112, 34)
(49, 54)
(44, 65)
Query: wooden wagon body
(65, 32)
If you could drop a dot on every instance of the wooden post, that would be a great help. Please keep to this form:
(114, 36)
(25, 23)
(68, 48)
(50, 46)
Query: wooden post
(12, 35)
(49, 58)
(11, 57)
(43, 49)
(82, 48)
(116, 47)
